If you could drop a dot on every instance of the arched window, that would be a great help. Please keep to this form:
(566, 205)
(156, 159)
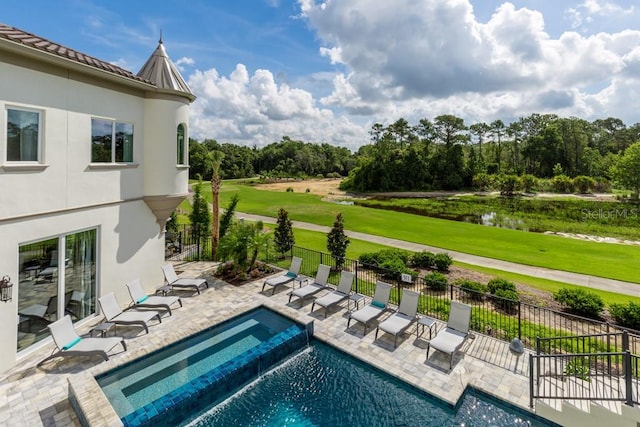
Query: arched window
(181, 144)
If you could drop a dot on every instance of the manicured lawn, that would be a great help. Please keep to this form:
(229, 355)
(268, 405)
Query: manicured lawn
(598, 259)
(317, 241)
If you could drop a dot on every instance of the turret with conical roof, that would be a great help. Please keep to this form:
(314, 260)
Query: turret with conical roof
(166, 169)
(163, 73)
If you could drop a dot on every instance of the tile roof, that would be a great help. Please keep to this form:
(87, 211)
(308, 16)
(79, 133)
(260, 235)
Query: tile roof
(35, 42)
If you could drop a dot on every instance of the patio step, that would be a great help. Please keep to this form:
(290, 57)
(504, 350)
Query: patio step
(583, 413)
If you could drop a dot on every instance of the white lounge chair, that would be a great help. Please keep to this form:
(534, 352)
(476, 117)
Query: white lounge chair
(292, 274)
(114, 314)
(377, 306)
(319, 283)
(140, 298)
(403, 318)
(69, 343)
(182, 282)
(340, 294)
(450, 339)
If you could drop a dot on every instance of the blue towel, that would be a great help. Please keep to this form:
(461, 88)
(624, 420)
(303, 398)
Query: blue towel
(378, 304)
(143, 299)
(71, 344)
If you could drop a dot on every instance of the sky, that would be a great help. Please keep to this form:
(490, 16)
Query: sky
(325, 71)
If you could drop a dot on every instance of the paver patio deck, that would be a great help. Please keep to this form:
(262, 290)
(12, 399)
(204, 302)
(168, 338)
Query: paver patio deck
(31, 396)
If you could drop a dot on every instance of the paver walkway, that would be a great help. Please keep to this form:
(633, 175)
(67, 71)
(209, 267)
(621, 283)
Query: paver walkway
(31, 396)
(611, 285)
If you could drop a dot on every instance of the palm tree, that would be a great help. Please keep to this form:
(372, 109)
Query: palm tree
(215, 158)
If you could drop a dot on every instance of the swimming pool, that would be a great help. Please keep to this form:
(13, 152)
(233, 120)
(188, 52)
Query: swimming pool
(168, 385)
(322, 386)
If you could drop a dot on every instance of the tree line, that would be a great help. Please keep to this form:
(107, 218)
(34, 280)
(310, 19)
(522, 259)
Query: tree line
(443, 153)
(446, 153)
(285, 159)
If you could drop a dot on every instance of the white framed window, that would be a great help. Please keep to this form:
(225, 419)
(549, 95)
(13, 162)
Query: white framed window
(24, 130)
(111, 141)
(182, 132)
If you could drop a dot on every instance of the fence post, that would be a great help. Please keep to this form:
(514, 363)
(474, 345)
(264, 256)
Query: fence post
(519, 320)
(537, 367)
(531, 381)
(355, 263)
(451, 291)
(628, 377)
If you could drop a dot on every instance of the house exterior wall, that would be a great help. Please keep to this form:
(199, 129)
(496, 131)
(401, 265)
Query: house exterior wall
(160, 147)
(67, 193)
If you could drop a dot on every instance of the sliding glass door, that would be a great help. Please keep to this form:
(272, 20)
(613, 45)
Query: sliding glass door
(57, 277)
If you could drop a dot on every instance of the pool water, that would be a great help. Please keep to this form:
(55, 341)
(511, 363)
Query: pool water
(165, 385)
(321, 386)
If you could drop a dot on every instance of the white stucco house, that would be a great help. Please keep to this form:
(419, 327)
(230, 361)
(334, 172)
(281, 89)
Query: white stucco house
(93, 161)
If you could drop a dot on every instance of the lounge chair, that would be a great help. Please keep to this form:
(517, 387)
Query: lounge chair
(182, 282)
(377, 306)
(403, 318)
(340, 294)
(113, 313)
(69, 343)
(292, 274)
(142, 300)
(450, 339)
(319, 283)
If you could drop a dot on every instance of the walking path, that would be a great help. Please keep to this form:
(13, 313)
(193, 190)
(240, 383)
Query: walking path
(610, 285)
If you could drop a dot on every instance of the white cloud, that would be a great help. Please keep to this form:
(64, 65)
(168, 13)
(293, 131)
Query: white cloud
(421, 59)
(435, 57)
(584, 13)
(256, 110)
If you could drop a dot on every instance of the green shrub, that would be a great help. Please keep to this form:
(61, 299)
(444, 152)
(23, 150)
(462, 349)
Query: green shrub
(562, 184)
(627, 315)
(580, 301)
(482, 182)
(499, 283)
(393, 268)
(584, 184)
(508, 184)
(289, 189)
(578, 367)
(436, 281)
(506, 299)
(379, 258)
(442, 261)
(602, 185)
(472, 289)
(369, 258)
(422, 259)
(529, 183)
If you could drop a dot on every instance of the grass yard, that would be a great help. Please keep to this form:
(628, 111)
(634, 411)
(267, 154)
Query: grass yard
(597, 259)
(317, 241)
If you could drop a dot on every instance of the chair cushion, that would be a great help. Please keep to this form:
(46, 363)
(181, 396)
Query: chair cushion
(448, 340)
(71, 344)
(378, 304)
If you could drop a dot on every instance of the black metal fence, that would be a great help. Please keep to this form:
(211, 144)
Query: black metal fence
(608, 375)
(491, 315)
(187, 244)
